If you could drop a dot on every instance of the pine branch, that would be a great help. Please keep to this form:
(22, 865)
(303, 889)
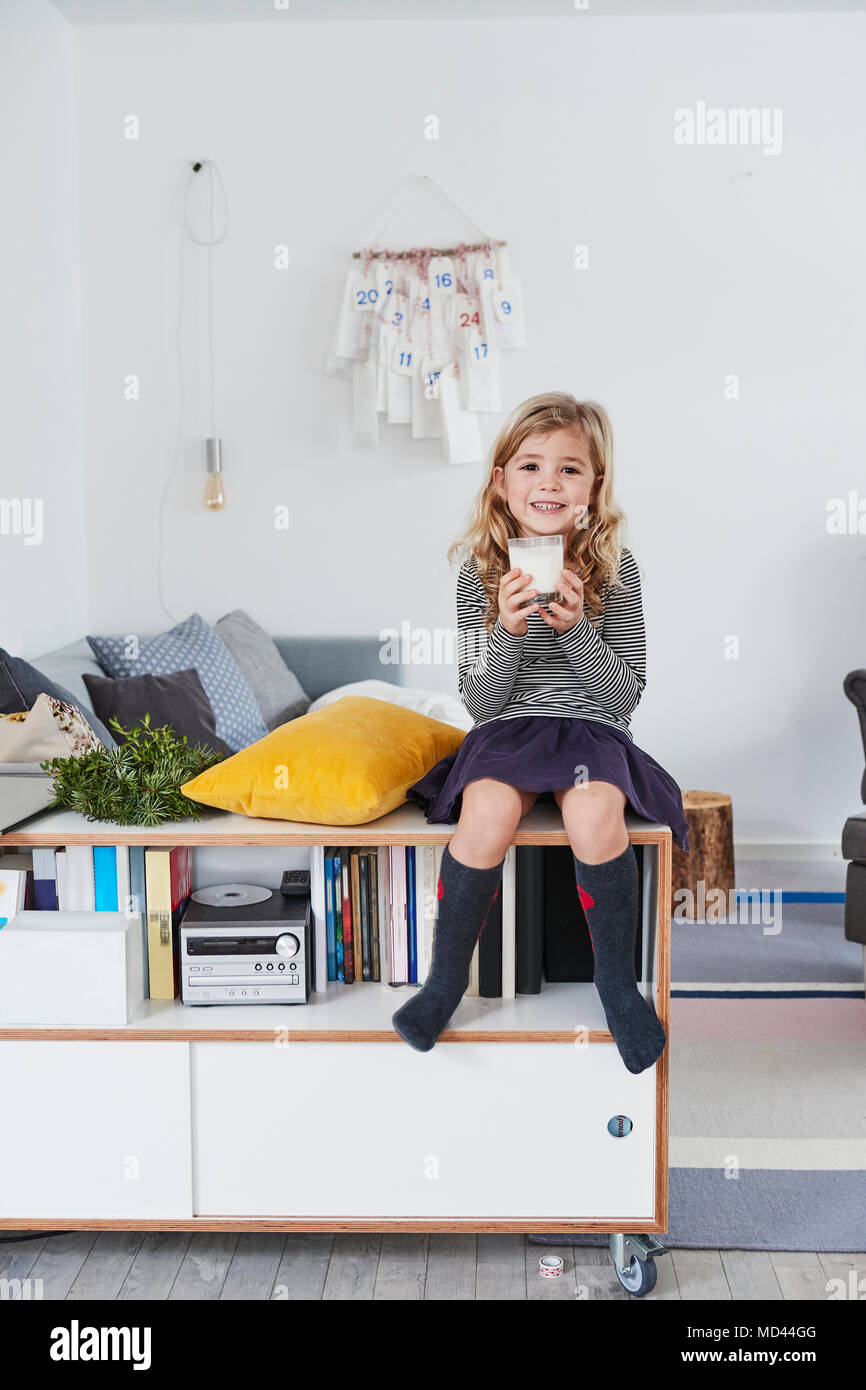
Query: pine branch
(136, 783)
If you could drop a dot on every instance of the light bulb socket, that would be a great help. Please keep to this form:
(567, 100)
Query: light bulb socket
(214, 456)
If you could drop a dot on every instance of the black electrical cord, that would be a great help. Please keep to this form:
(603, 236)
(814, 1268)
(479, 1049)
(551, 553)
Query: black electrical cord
(29, 1235)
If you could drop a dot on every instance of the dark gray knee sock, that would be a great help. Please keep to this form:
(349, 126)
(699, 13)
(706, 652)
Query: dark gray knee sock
(609, 896)
(466, 896)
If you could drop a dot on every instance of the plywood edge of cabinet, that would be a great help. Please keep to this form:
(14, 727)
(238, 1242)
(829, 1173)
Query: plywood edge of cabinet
(444, 1225)
(132, 1034)
(541, 826)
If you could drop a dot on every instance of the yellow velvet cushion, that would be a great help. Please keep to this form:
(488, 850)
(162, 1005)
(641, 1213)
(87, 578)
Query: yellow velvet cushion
(346, 764)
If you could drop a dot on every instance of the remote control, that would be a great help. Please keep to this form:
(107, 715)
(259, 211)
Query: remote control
(296, 883)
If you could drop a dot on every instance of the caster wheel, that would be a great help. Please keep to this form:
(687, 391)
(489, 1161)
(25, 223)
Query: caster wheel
(639, 1278)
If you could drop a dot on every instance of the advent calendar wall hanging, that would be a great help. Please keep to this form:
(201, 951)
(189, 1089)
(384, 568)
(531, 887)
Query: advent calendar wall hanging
(419, 335)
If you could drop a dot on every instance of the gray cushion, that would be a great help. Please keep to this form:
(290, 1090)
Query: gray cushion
(279, 693)
(177, 699)
(191, 644)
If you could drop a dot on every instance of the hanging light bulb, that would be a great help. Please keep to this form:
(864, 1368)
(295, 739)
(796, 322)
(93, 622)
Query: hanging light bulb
(214, 493)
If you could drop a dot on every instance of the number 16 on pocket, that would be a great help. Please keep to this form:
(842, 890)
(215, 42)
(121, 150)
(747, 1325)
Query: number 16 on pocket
(440, 274)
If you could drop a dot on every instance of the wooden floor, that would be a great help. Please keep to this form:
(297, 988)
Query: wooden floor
(109, 1265)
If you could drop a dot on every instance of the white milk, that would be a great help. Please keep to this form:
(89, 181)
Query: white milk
(543, 562)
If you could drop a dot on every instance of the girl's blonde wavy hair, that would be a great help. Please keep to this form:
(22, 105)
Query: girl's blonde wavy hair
(593, 549)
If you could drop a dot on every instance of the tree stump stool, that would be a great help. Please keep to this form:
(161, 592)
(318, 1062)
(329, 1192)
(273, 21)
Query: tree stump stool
(709, 864)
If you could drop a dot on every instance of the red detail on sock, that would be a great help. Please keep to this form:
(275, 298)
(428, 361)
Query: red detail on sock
(439, 889)
(586, 901)
(487, 914)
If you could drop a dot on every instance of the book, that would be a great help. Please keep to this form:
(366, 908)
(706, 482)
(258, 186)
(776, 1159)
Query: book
(437, 871)
(15, 860)
(330, 930)
(168, 882)
(361, 973)
(529, 912)
(13, 886)
(138, 901)
(355, 884)
(384, 877)
(340, 916)
(319, 915)
(399, 948)
(489, 950)
(121, 869)
(485, 969)
(509, 922)
(364, 899)
(105, 878)
(411, 925)
(111, 878)
(428, 907)
(44, 879)
(473, 989)
(80, 885)
(350, 924)
(567, 942)
(373, 879)
(62, 880)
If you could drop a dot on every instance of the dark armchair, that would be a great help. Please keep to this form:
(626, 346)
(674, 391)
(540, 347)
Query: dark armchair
(854, 833)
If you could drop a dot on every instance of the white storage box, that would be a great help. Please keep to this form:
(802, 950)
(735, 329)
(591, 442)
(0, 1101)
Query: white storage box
(76, 969)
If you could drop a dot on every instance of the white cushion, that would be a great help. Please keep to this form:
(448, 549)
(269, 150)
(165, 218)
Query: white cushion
(436, 704)
(51, 729)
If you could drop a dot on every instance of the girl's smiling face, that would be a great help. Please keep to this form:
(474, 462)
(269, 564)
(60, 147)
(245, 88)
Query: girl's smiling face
(553, 469)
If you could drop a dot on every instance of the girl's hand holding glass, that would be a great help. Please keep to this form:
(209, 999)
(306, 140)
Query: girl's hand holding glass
(567, 614)
(514, 590)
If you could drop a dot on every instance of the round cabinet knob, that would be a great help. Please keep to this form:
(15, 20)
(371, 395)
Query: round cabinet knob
(287, 944)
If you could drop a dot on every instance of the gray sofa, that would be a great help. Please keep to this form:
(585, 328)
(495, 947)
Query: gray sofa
(854, 833)
(320, 664)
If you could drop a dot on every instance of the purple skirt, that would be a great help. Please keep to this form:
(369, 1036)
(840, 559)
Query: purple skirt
(543, 753)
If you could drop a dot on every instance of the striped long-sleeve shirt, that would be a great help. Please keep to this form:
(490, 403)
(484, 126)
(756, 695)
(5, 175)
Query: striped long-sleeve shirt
(586, 673)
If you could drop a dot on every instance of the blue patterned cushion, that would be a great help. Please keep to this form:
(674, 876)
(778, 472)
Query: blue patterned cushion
(191, 644)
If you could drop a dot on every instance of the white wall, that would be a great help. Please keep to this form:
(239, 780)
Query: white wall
(705, 261)
(42, 561)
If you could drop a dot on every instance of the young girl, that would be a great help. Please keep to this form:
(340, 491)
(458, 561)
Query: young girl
(551, 692)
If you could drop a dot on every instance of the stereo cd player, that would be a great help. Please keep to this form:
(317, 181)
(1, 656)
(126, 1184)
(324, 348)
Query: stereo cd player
(259, 953)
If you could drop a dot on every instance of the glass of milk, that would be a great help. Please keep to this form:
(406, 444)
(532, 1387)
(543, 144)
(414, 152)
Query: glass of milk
(540, 556)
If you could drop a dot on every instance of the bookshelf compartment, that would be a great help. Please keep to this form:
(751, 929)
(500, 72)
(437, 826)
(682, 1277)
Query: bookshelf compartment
(473, 1130)
(95, 1132)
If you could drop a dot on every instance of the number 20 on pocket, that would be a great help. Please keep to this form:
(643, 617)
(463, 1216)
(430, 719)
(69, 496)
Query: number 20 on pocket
(365, 295)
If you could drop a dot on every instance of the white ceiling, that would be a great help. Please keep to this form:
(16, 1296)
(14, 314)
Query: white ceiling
(87, 12)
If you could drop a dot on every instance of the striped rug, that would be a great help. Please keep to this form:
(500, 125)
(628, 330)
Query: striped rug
(767, 1081)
